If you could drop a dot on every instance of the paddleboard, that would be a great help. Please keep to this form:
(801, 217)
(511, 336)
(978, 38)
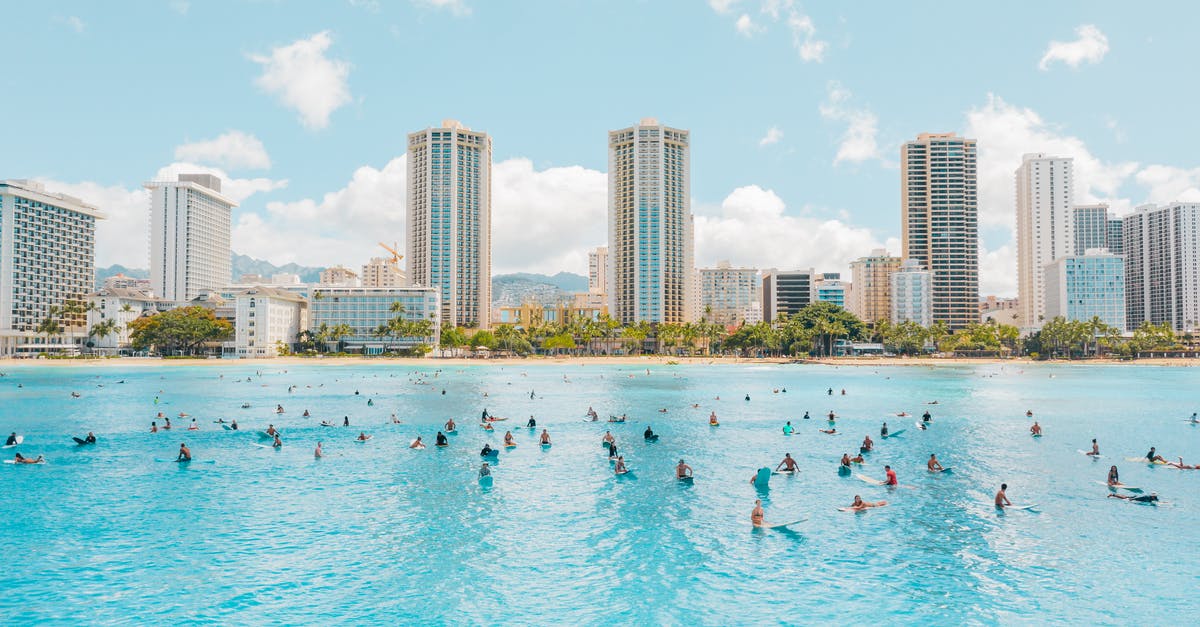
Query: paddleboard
(944, 469)
(264, 446)
(606, 444)
(1037, 435)
(922, 426)
(870, 480)
(1120, 486)
(14, 462)
(510, 446)
(493, 453)
(20, 439)
(628, 473)
(1021, 507)
(843, 471)
(546, 446)
(227, 427)
(714, 424)
(263, 435)
(785, 471)
(454, 432)
(1145, 461)
(486, 482)
(81, 441)
(653, 438)
(763, 478)
(894, 433)
(1088, 453)
(687, 480)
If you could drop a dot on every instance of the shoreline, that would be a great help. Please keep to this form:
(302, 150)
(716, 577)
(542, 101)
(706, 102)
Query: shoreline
(649, 360)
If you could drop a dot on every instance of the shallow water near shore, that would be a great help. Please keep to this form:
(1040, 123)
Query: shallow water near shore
(378, 533)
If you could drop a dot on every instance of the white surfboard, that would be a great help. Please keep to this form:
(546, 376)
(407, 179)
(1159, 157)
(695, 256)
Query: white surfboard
(20, 439)
(870, 480)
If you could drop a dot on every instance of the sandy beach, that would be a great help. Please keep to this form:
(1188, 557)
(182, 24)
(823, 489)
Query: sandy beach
(542, 361)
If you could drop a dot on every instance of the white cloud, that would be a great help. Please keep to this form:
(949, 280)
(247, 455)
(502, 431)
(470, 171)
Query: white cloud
(752, 229)
(997, 270)
(232, 150)
(458, 8)
(804, 37)
(181, 6)
(1091, 47)
(722, 6)
(746, 26)
(772, 137)
(542, 220)
(1169, 184)
(72, 22)
(305, 79)
(859, 142)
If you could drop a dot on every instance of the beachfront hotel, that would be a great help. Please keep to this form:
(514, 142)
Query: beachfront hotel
(1096, 228)
(786, 292)
(1045, 229)
(1091, 285)
(828, 287)
(365, 309)
(940, 221)
(190, 224)
(450, 220)
(912, 297)
(1162, 266)
(650, 263)
(47, 258)
(598, 271)
(122, 305)
(266, 320)
(730, 296)
(871, 297)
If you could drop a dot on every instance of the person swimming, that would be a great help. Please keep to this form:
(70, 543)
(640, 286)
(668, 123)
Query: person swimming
(345, 421)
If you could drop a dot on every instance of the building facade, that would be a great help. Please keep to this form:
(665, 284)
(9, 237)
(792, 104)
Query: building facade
(1082, 287)
(338, 276)
(912, 294)
(940, 221)
(730, 296)
(830, 288)
(190, 223)
(598, 271)
(1162, 266)
(450, 220)
(267, 320)
(121, 305)
(365, 309)
(47, 261)
(1045, 228)
(1091, 227)
(380, 272)
(650, 224)
(787, 292)
(871, 298)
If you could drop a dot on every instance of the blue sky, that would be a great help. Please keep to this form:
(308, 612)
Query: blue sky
(304, 107)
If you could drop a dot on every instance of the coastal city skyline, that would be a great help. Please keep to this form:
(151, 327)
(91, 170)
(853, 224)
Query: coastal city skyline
(823, 171)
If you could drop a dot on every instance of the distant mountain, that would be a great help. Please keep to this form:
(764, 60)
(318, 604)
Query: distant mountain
(511, 290)
(115, 269)
(244, 264)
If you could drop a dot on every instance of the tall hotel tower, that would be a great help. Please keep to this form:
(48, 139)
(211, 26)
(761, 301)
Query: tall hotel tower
(650, 224)
(450, 220)
(190, 225)
(1045, 229)
(940, 221)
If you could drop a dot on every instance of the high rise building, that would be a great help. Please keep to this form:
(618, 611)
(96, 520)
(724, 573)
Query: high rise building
(912, 297)
(1082, 287)
(1091, 227)
(829, 287)
(190, 224)
(381, 272)
(598, 270)
(787, 292)
(940, 221)
(1045, 228)
(871, 298)
(730, 296)
(450, 220)
(1115, 241)
(339, 276)
(47, 259)
(1162, 266)
(650, 224)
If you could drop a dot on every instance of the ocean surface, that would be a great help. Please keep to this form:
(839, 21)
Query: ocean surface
(377, 533)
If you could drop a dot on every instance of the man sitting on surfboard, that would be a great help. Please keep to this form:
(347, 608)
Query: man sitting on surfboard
(846, 460)
(883, 431)
(787, 465)
(12, 439)
(545, 436)
(867, 445)
(1095, 449)
(484, 471)
(185, 454)
(1001, 497)
(1154, 457)
(891, 476)
(1036, 429)
(682, 470)
(450, 426)
(441, 439)
(933, 464)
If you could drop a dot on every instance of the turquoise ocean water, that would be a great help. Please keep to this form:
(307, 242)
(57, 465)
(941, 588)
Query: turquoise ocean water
(377, 533)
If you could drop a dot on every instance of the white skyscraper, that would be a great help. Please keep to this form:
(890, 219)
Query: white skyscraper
(912, 297)
(650, 224)
(1162, 266)
(450, 220)
(730, 296)
(1045, 228)
(47, 258)
(190, 224)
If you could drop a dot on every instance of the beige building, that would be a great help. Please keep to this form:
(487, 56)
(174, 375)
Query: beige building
(940, 221)
(1045, 229)
(730, 296)
(380, 272)
(450, 220)
(650, 224)
(871, 298)
(339, 276)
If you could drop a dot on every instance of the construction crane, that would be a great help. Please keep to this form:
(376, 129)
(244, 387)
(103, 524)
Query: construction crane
(396, 257)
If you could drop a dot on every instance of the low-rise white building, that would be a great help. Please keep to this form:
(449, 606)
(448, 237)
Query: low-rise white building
(267, 319)
(912, 295)
(365, 309)
(122, 306)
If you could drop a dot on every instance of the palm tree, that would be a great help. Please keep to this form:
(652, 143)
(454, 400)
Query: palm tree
(103, 329)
